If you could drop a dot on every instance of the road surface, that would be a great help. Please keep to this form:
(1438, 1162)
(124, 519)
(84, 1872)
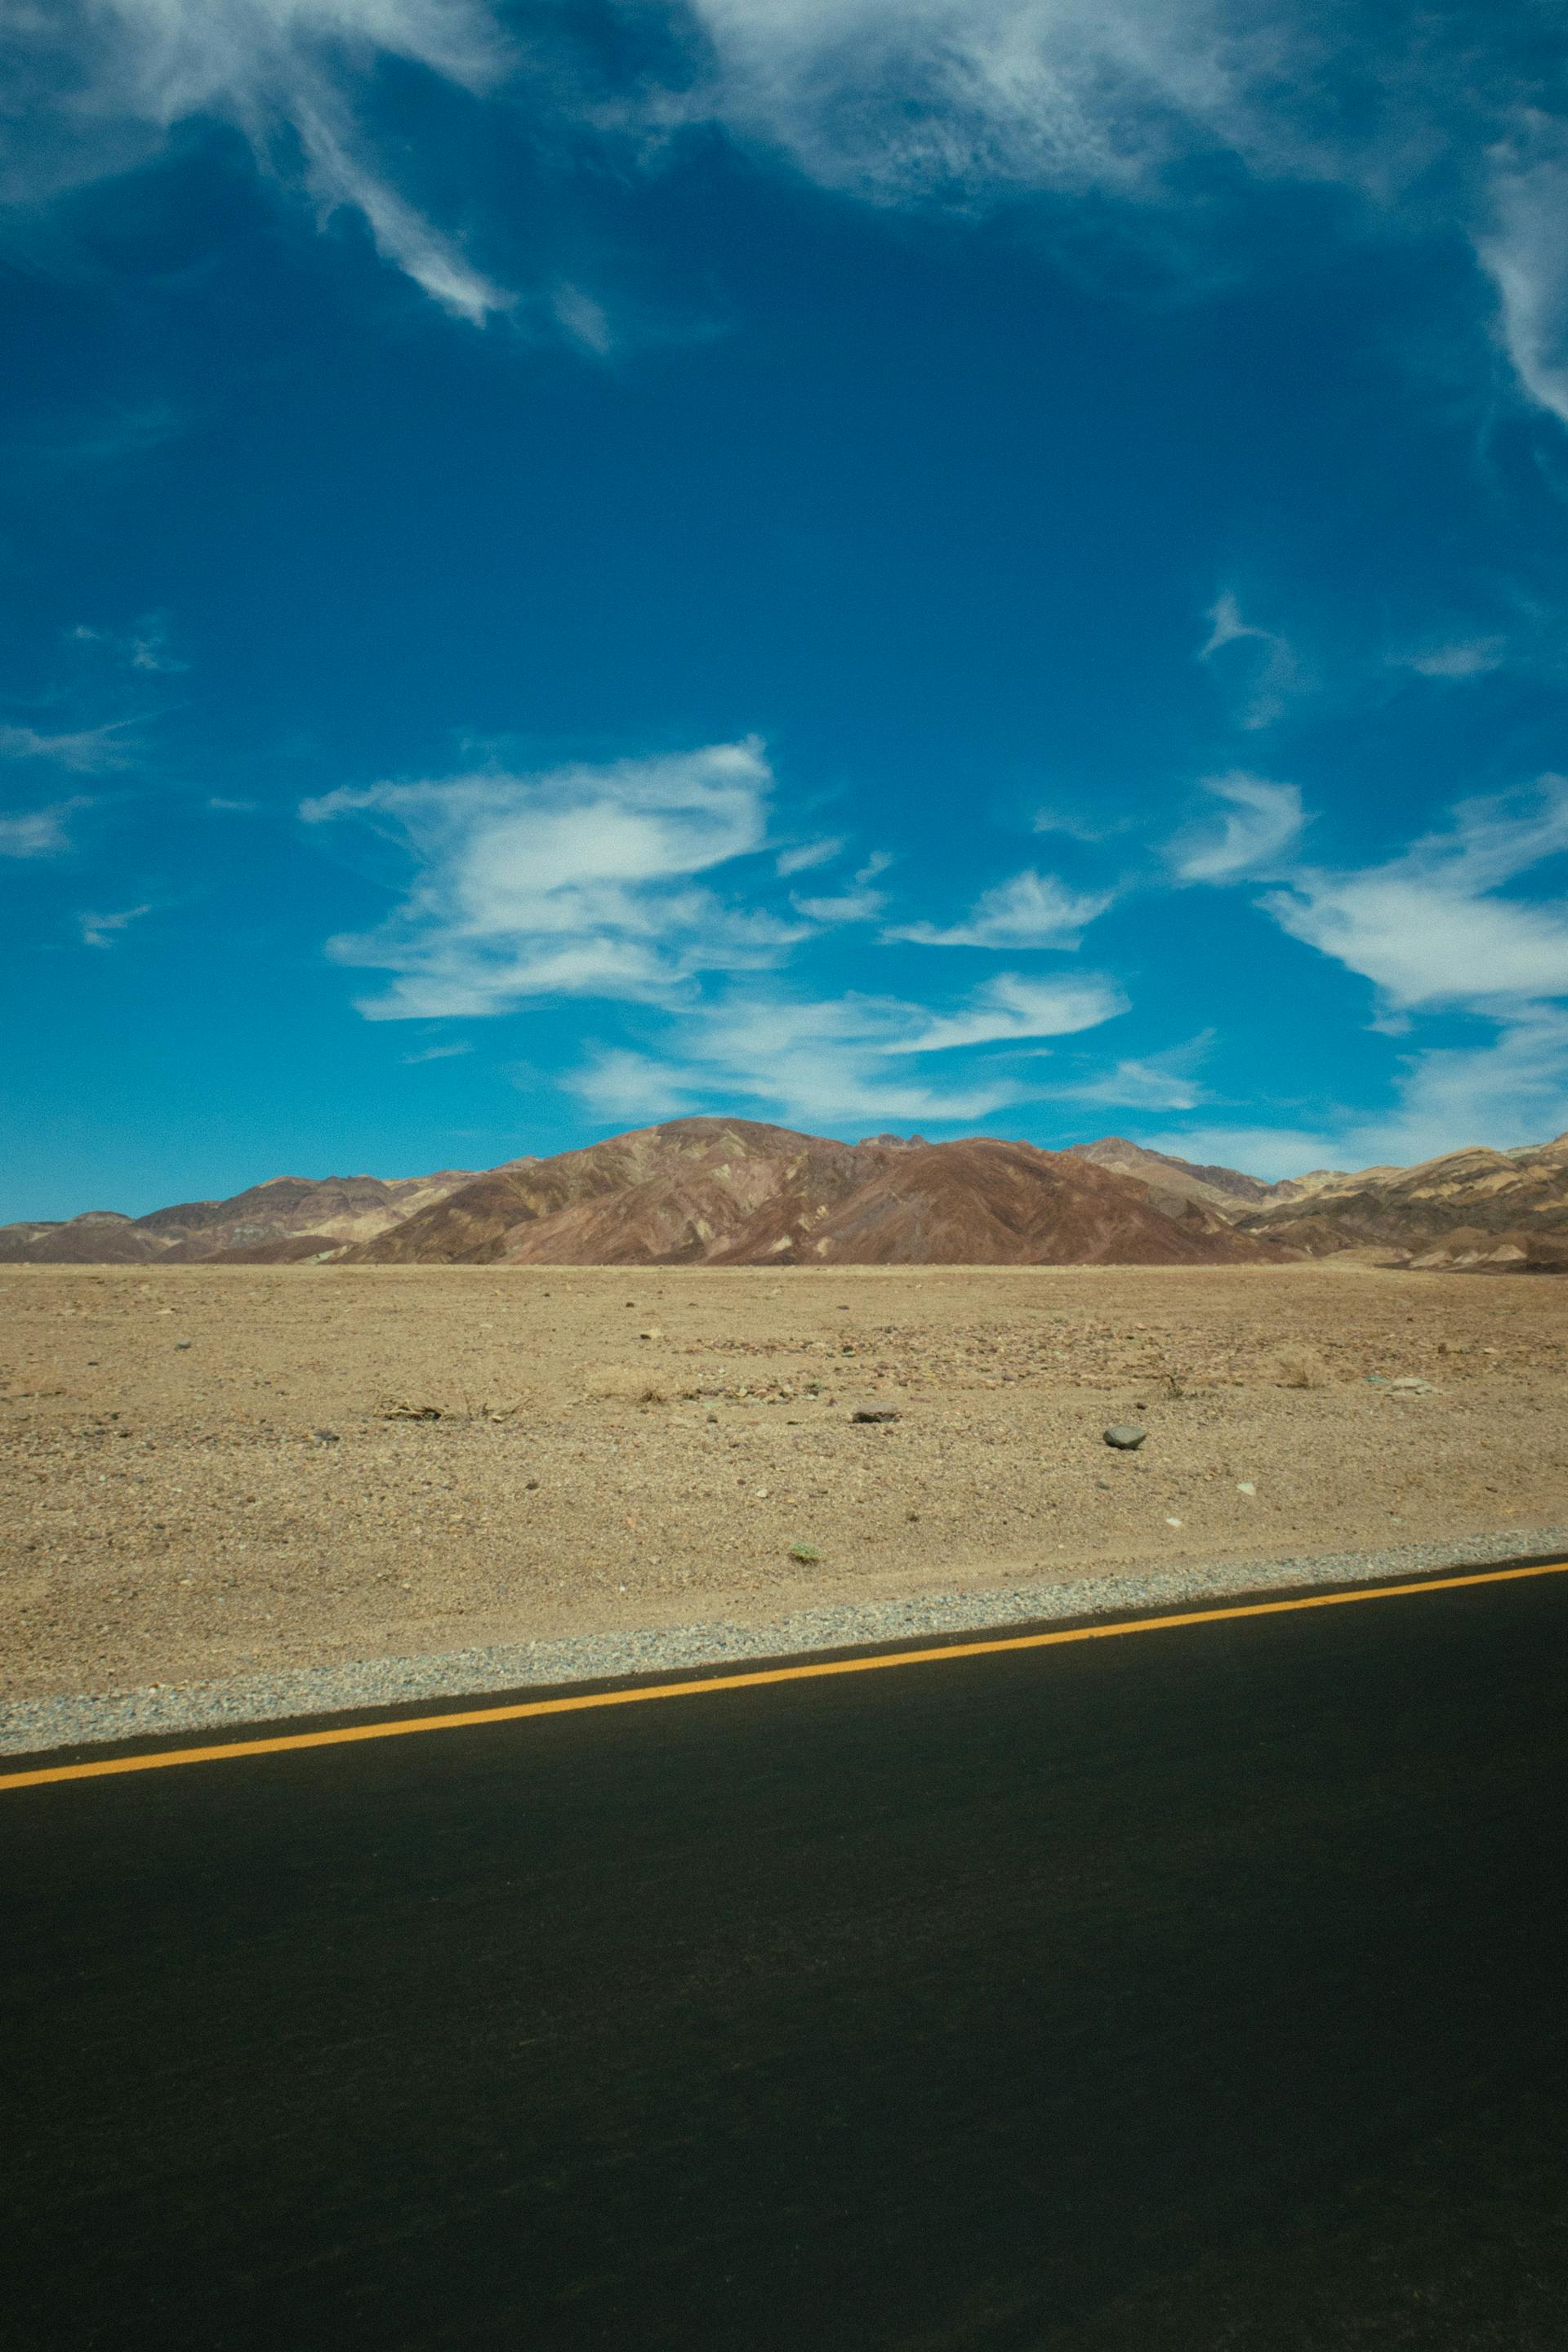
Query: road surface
(1199, 1987)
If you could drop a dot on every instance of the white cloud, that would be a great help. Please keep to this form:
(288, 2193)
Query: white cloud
(1512, 1089)
(850, 906)
(805, 855)
(1031, 911)
(969, 101)
(964, 96)
(1157, 1082)
(286, 73)
(103, 930)
(593, 882)
(1272, 673)
(1427, 927)
(38, 833)
(1014, 1008)
(1464, 657)
(88, 750)
(1076, 827)
(843, 1062)
(1263, 824)
(1434, 933)
(965, 102)
(575, 882)
(584, 319)
(1524, 252)
(143, 646)
(617, 1084)
(436, 1054)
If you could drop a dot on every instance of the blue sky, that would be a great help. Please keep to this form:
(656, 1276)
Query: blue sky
(872, 563)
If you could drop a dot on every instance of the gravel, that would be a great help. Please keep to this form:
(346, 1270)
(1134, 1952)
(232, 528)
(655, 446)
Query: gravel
(37, 1726)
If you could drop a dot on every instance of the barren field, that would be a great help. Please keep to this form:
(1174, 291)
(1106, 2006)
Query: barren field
(206, 1470)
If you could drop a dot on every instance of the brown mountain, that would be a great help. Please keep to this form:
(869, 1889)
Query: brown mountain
(333, 1209)
(98, 1238)
(1167, 1179)
(738, 1192)
(1475, 1209)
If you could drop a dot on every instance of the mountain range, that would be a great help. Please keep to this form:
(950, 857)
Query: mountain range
(725, 1192)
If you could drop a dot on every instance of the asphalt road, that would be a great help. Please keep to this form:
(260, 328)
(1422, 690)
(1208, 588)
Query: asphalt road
(1200, 1987)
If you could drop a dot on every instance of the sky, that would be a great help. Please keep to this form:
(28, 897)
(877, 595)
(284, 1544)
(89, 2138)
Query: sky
(935, 566)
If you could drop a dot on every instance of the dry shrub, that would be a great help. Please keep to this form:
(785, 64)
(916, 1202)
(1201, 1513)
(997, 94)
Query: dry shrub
(625, 1384)
(1301, 1368)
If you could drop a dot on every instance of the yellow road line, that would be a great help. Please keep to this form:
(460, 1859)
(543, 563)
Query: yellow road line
(284, 1741)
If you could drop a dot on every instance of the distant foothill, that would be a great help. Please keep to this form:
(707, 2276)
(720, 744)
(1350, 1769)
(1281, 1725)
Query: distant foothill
(732, 1192)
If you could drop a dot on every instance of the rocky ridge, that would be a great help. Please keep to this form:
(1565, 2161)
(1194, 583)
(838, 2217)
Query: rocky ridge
(742, 1193)
(1470, 1211)
(270, 1218)
(739, 1192)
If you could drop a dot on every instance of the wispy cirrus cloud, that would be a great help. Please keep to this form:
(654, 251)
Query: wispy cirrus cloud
(103, 86)
(801, 857)
(859, 904)
(87, 750)
(1262, 824)
(1459, 657)
(845, 907)
(1029, 910)
(1429, 119)
(575, 882)
(1439, 930)
(1163, 1081)
(964, 98)
(1433, 927)
(144, 646)
(1433, 118)
(1523, 249)
(848, 1060)
(40, 831)
(1509, 1088)
(643, 885)
(103, 931)
(1270, 671)
(1014, 1009)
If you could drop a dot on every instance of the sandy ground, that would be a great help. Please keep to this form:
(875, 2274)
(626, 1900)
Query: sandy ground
(206, 1470)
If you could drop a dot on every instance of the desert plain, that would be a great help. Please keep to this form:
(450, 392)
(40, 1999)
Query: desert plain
(209, 1470)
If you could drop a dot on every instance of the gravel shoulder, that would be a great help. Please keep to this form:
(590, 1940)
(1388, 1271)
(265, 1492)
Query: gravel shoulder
(245, 1483)
(37, 1726)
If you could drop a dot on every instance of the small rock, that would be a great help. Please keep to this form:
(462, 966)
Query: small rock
(1125, 1435)
(652, 1332)
(180, 1344)
(1245, 1486)
(1172, 1523)
(875, 1413)
(326, 1437)
(531, 1485)
(804, 1552)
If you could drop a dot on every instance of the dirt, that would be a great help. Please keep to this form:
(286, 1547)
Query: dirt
(209, 1469)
